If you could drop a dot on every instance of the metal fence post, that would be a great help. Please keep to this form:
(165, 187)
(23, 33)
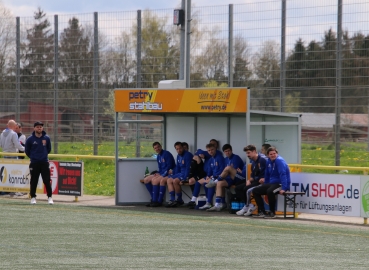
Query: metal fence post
(138, 49)
(182, 45)
(188, 42)
(17, 98)
(96, 83)
(338, 85)
(56, 83)
(283, 58)
(230, 46)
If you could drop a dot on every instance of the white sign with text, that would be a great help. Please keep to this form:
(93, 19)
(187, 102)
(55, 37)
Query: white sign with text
(330, 194)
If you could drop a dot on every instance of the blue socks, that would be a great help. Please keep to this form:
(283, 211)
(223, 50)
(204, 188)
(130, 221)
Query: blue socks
(162, 190)
(149, 188)
(155, 193)
(172, 196)
(196, 190)
(179, 197)
(210, 195)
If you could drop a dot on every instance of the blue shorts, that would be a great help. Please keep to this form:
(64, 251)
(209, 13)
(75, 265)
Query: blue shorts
(239, 177)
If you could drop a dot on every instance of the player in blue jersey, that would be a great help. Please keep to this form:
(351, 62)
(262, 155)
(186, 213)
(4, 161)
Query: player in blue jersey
(180, 173)
(215, 168)
(277, 181)
(233, 163)
(152, 182)
(243, 192)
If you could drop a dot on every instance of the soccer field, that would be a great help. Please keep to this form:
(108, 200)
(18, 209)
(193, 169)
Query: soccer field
(63, 236)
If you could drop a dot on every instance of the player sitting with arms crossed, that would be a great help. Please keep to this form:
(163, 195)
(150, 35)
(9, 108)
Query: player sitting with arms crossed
(180, 174)
(233, 163)
(165, 162)
(215, 168)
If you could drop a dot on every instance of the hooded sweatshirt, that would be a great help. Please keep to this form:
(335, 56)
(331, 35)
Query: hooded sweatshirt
(9, 141)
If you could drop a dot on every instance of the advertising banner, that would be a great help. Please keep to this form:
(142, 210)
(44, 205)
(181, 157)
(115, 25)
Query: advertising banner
(331, 194)
(219, 100)
(66, 177)
(15, 176)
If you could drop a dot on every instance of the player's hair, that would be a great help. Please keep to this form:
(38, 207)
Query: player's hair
(155, 143)
(272, 148)
(266, 146)
(226, 147)
(250, 147)
(210, 145)
(215, 142)
(185, 144)
(177, 143)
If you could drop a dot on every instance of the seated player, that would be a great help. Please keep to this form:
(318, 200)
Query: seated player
(180, 173)
(197, 172)
(199, 168)
(277, 181)
(233, 162)
(243, 192)
(215, 168)
(165, 162)
(185, 146)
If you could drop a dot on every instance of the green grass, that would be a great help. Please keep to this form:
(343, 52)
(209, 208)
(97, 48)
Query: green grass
(99, 175)
(76, 237)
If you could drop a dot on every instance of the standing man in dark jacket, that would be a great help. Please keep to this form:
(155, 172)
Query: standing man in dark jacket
(38, 146)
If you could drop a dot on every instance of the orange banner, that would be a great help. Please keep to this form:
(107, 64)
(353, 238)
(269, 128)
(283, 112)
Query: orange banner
(218, 100)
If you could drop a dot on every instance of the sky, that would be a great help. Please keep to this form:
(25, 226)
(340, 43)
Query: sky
(26, 8)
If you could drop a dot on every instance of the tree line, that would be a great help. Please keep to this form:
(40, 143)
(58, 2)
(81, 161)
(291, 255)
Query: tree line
(310, 65)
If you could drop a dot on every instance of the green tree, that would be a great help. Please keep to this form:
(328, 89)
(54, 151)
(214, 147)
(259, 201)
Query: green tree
(7, 41)
(159, 51)
(242, 72)
(37, 67)
(76, 67)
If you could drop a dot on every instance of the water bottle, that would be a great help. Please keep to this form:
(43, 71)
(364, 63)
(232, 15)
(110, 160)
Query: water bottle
(147, 171)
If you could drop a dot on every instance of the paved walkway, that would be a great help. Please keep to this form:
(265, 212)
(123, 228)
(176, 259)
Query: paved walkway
(109, 201)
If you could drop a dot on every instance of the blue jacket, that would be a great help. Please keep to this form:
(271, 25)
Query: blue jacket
(278, 172)
(165, 162)
(235, 161)
(206, 158)
(216, 165)
(183, 165)
(258, 167)
(37, 149)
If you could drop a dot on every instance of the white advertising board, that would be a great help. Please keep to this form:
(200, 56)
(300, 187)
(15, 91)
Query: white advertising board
(15, 176)
(329, 194)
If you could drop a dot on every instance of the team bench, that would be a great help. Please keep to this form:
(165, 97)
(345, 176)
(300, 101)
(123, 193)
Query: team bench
(290, 197)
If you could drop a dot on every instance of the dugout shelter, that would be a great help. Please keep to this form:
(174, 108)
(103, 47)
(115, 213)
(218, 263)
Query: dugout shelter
(194, 116)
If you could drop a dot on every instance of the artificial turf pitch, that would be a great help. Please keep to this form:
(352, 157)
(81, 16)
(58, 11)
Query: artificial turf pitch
(63, 236)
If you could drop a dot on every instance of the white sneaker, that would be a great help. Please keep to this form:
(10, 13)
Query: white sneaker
(33, 201)
(205, 206)
(50, 200)
(214, 209)
(212, 183)
(242, 211)
(250, 210)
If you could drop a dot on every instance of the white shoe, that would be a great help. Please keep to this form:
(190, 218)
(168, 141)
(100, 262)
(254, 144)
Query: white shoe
(214, 209)
(50, 200)
(33, 201)
(250, 210)
(242, 211)
(212, 183)
(206, 206)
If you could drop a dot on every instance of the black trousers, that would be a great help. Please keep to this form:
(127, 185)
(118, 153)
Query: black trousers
(265, 189)
(242, 189)
(37, 168)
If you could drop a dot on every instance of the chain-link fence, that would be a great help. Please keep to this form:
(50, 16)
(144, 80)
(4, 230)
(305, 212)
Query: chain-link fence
(62, 69)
